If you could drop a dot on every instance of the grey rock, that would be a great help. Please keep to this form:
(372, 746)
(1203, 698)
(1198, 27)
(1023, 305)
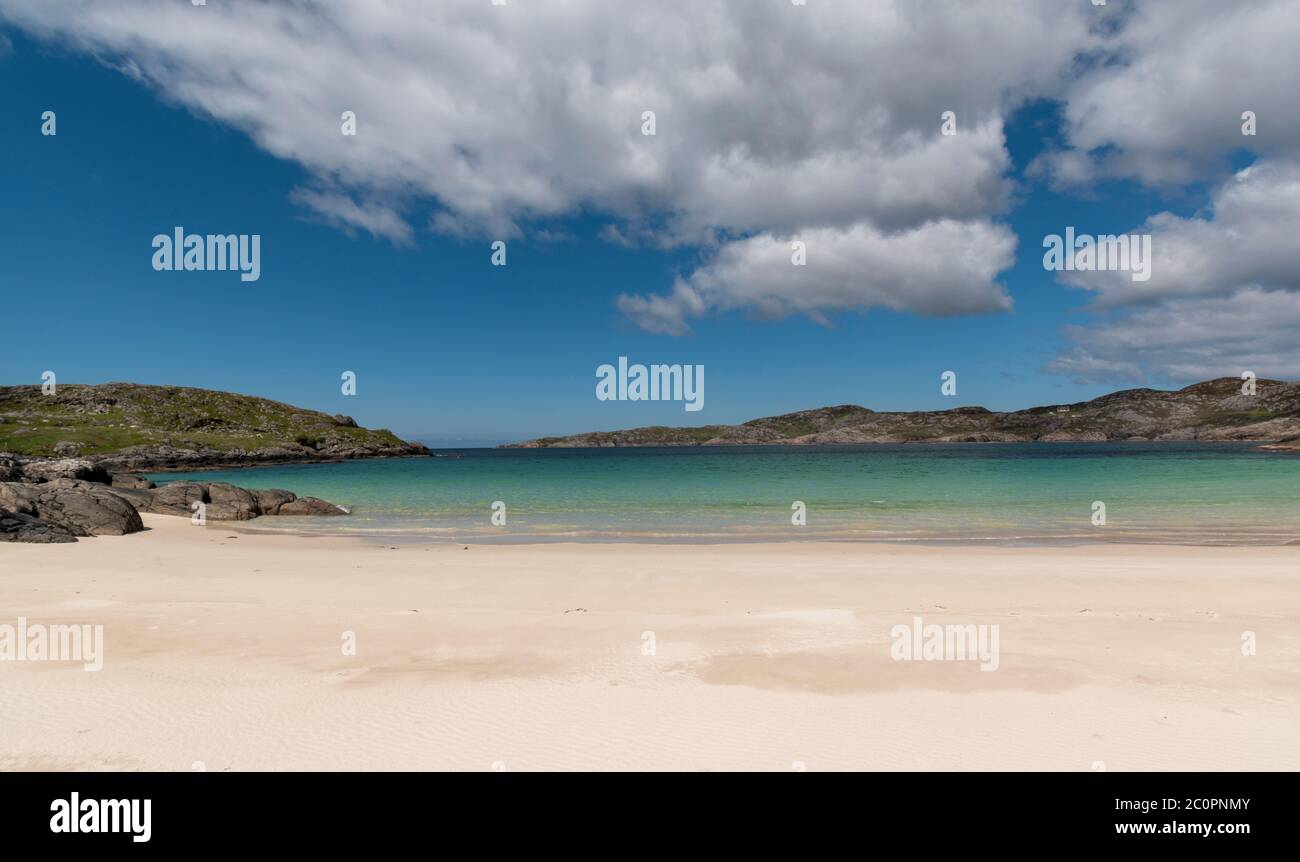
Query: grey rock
(10, 469)
(230, 503)
(17, 527)
(48, 469)
(270, 500)
(130, 480)
(177, 498)
(224, 502)
(83, 508)
(228, 512)
(310, 506)
(140, 498)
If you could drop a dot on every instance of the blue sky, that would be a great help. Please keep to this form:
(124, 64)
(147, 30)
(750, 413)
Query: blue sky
(452, 350)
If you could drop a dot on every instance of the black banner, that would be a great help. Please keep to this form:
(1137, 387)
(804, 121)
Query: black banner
(139, 812)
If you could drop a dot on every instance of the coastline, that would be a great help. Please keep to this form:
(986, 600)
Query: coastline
(214, 466)
(226, 652)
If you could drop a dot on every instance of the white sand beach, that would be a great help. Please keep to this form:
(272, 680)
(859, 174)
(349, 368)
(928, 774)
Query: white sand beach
(223, 651)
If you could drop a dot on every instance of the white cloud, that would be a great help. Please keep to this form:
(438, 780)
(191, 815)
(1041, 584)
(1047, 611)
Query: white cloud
(768, 116)
(1188, 340)
(340, 210)
(771, 119)
(1245, 237)
(1224, 294)
(1164, 104)
(939, 268)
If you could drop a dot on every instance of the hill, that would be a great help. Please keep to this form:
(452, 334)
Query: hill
(1213, 410)
(129, 426)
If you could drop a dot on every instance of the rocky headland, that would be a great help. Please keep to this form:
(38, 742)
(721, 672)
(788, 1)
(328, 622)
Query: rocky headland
(1216, 410)
(127, 427)
(69, 459)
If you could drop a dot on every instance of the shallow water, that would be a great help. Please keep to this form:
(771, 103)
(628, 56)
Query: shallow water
(1222, 493)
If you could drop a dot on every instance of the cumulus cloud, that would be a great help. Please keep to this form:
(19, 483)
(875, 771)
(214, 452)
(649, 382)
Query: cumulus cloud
(770, 119)
(1249, 329)
(1163, 101)
(940, 268)
(766, 117)
(1245, 237)
(773, 122)
(1224, 293)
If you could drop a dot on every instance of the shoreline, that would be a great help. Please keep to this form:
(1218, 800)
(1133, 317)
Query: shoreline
(410, 537)
(1280, 444)
(226, 652)
(244, 465)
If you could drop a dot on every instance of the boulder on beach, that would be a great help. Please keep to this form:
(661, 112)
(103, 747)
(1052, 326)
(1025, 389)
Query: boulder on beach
(311, 506)
(83, 508)
(50, 500)
(230, 503)
(270, 500)
(17, 527)
(176, 498)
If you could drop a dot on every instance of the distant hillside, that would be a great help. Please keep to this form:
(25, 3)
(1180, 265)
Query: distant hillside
(1214, 410)
(128, 426)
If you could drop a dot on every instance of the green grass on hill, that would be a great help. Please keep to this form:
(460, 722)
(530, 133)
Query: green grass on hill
(107, 418)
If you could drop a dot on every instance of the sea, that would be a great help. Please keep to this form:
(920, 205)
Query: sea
(977, 493)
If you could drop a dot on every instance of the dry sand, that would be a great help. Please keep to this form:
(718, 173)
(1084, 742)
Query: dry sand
(226, 653)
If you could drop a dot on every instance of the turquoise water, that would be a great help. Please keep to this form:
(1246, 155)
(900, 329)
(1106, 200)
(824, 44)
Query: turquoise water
(1225, 493)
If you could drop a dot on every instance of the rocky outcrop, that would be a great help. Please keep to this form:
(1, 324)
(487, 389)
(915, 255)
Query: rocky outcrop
(45, 501)
(127, 480)
(166, 457)
(225, 502)
(44, 470)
